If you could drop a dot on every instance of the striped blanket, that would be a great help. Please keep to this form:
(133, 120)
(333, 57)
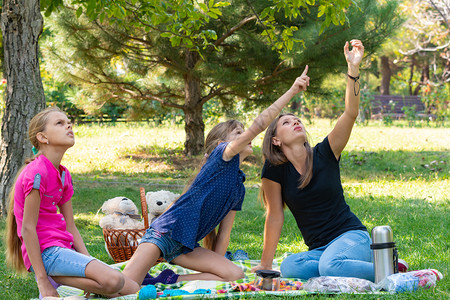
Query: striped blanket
(218, 289)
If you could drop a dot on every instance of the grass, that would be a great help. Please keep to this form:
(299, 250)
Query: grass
(395, 176)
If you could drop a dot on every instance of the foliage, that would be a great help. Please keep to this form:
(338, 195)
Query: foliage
(185, 23)
(436, 100)
(56, 93)
(418, 52)
(410, 114)
(132, 61)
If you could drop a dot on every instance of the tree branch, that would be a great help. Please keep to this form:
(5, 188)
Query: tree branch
(439, 11)
(420, 49)
(212, 93)
(275, 73)
(234, 29)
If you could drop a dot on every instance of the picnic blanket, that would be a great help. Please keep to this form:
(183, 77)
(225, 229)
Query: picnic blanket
(394, 283)
(219, 289)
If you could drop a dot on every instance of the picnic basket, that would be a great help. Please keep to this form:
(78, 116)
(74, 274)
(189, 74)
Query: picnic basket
(122, 243)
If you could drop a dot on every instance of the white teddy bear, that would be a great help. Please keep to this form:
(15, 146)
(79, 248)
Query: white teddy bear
(120, 213)
(158, 202)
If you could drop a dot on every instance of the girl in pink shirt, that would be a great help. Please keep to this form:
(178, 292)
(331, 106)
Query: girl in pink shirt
(39, 238)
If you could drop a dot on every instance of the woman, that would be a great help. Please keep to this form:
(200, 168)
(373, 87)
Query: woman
(307, 180)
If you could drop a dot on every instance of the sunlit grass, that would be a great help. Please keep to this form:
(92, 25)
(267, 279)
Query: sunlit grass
(140, 153)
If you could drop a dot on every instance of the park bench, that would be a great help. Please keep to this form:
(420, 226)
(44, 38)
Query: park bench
(393, 106)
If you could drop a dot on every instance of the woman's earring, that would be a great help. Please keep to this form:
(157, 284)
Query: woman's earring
(47, 142)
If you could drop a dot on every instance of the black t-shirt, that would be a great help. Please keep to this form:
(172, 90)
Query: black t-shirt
(320, 208)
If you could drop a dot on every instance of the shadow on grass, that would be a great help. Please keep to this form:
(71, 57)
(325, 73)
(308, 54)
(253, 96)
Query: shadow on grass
(363, 166)
(171, 166)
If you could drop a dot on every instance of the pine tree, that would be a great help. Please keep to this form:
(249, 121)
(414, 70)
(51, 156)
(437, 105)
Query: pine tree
(240, 59)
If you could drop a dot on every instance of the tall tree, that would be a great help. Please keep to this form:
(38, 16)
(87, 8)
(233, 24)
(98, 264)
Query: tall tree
(421, 45)
(22, 24)
(428, 34)
(140, 60)
(385, 75)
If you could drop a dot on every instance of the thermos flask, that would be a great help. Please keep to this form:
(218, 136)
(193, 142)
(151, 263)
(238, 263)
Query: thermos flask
(385, 257)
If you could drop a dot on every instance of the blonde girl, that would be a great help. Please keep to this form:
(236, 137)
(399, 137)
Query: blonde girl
(40, 238)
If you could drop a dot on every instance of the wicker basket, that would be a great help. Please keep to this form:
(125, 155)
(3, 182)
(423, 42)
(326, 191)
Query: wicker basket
(121, 243)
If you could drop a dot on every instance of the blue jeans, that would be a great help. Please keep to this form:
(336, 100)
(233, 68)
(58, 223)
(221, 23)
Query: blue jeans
(348, 255)
(60, 261)
(169, 247)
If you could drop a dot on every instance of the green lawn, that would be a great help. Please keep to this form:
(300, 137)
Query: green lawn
(395, 176)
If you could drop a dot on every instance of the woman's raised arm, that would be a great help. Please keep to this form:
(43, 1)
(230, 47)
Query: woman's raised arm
(339, 136)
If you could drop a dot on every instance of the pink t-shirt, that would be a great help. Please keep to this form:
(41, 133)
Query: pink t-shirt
(55, 188)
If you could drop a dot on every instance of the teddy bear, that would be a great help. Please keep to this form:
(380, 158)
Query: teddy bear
(158, 202)
(120, 213)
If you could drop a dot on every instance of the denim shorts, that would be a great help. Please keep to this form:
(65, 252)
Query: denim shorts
(60, 261)
(169, 247)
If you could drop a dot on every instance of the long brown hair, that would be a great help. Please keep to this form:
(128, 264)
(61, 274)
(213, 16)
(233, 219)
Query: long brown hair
(13, 244)
(218, 133)
(275, 156)
(14, 257)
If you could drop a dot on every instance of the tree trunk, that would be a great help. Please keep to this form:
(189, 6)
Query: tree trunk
(424, 78)
(446, 67)
(411, 73)
(193, 118)
(385, 76)
(21, 23)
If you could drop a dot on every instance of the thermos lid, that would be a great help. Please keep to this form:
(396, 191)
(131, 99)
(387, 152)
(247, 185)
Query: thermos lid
(268, 273)
(382, 234)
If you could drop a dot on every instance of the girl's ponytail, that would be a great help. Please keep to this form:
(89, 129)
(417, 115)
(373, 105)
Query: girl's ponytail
(209, 241)
(13, 243)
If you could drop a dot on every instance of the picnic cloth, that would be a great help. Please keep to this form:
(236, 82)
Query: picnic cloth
(219, 289)
(288, 286)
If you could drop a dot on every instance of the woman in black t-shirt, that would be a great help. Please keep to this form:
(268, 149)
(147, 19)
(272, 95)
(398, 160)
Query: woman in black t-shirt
(307, 180)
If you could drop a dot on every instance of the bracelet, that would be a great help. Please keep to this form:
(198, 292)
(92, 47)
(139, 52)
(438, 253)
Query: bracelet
(356, 82)
(354, 78)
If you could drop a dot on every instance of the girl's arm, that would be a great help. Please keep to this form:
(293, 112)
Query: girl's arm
(31, 241)
(78, 244)
(223, 234)
(273, 224)
(339, 136)
(265, 118)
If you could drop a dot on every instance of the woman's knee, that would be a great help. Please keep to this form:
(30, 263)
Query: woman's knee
(288, 267)
(330, 267)
(301, 265)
